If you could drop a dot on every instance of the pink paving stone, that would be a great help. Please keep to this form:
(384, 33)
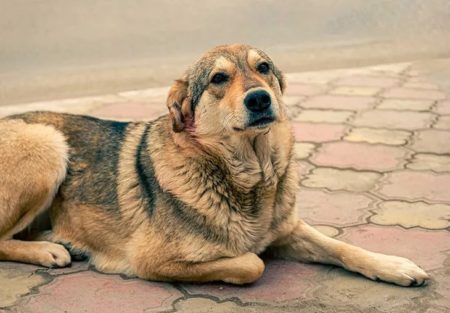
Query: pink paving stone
(93, 292)
(332, 208)
(131, 111)
(359, 156)
(338, 102)
(410, 185)
(411, 93)
(313, 132)
(369, 81)
(281, 281)
(432, 140)
(296, 89)
(443, 107)
(421, 246)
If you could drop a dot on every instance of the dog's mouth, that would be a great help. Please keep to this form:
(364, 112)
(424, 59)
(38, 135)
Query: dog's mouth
(262, 122)
(257, 123)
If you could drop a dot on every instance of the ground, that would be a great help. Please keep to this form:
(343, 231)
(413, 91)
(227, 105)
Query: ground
(373, 146)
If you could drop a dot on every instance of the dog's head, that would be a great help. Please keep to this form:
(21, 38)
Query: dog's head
(231, 89)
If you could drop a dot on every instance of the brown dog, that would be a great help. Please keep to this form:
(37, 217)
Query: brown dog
(195, 195)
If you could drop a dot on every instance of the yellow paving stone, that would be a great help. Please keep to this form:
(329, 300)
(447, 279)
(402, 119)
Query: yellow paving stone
(303, 150)
(355, 91)
(405, 104)
(15, 283)
(372, 135)
(330, 231)
(417, 214)
(327, 116)
(334, 179)
(437, 163)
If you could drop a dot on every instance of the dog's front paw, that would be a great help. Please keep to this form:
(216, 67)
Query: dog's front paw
(395, 270)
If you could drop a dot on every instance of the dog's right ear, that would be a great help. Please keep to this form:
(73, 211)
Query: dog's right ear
(178, 104)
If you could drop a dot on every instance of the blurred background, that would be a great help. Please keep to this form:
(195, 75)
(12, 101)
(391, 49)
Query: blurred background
(59, 48)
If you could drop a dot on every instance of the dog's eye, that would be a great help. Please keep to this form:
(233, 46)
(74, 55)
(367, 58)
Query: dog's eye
(219, 78)
(263, 68)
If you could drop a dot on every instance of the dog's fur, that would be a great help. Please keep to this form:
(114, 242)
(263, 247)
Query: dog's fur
(195, 195)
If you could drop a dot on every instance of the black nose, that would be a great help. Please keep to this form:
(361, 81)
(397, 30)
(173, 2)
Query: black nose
(257, 101)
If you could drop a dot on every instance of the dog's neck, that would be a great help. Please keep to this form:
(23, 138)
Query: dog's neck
(250, 158)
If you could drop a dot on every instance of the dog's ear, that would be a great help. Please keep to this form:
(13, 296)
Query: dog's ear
(280, 77)
(178, 104)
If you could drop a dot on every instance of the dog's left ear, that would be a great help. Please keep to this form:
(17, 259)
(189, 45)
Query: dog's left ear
(178, 104)
(281, 81)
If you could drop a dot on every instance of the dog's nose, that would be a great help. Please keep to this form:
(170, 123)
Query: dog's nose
(257, 101)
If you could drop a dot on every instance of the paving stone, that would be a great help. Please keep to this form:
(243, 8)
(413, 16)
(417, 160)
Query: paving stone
(413, 243)
(304, 168)
(75, 267)
(370, 81)
(334, 179)
(420, 85)
(338, 102)
(296, 279)
(416, 186)
(443, 107)
(318, 132)
(298, 89)
(130, 111)
(405, 104)
(383, 136)
(330, 231)
(394, 68)
(341, 287)
(303, 150)
(17, 280)
(416, 214)
(332, 208)
(324, 116)
(411, 93)
(355, 91)
(437, 163)
(94, 292)
(292, 100)
(440, 295)
(443, 122)
(430, 140)
(359, 156)
(394, 119)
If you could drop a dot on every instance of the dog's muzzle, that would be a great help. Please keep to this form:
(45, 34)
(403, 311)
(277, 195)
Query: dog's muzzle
(259, 106)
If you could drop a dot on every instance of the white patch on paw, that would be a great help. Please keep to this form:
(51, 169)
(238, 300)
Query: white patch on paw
(394, 269)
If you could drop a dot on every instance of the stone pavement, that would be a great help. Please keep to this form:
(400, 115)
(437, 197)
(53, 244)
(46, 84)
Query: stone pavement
(374, 149)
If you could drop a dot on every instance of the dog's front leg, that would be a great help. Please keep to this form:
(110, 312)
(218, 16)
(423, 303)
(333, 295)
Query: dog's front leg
(243, 269)
(307, 244)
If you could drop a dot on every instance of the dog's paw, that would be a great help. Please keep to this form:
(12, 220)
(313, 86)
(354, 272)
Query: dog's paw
(52, 255)
(393, 269)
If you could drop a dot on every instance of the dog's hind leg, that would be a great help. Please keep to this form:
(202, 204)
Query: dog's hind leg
(239, 270)
(33, 160)
(306, 244)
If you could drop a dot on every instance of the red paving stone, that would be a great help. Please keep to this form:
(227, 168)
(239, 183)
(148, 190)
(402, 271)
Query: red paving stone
(94, 292)
(410, 185)
(295, 278)
(318, 132)
(424, 247)
(332, 208)
(359, 156)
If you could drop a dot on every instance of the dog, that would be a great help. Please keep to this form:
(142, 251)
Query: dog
(195, 195)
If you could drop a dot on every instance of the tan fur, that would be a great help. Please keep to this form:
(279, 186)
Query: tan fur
(192, 196)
